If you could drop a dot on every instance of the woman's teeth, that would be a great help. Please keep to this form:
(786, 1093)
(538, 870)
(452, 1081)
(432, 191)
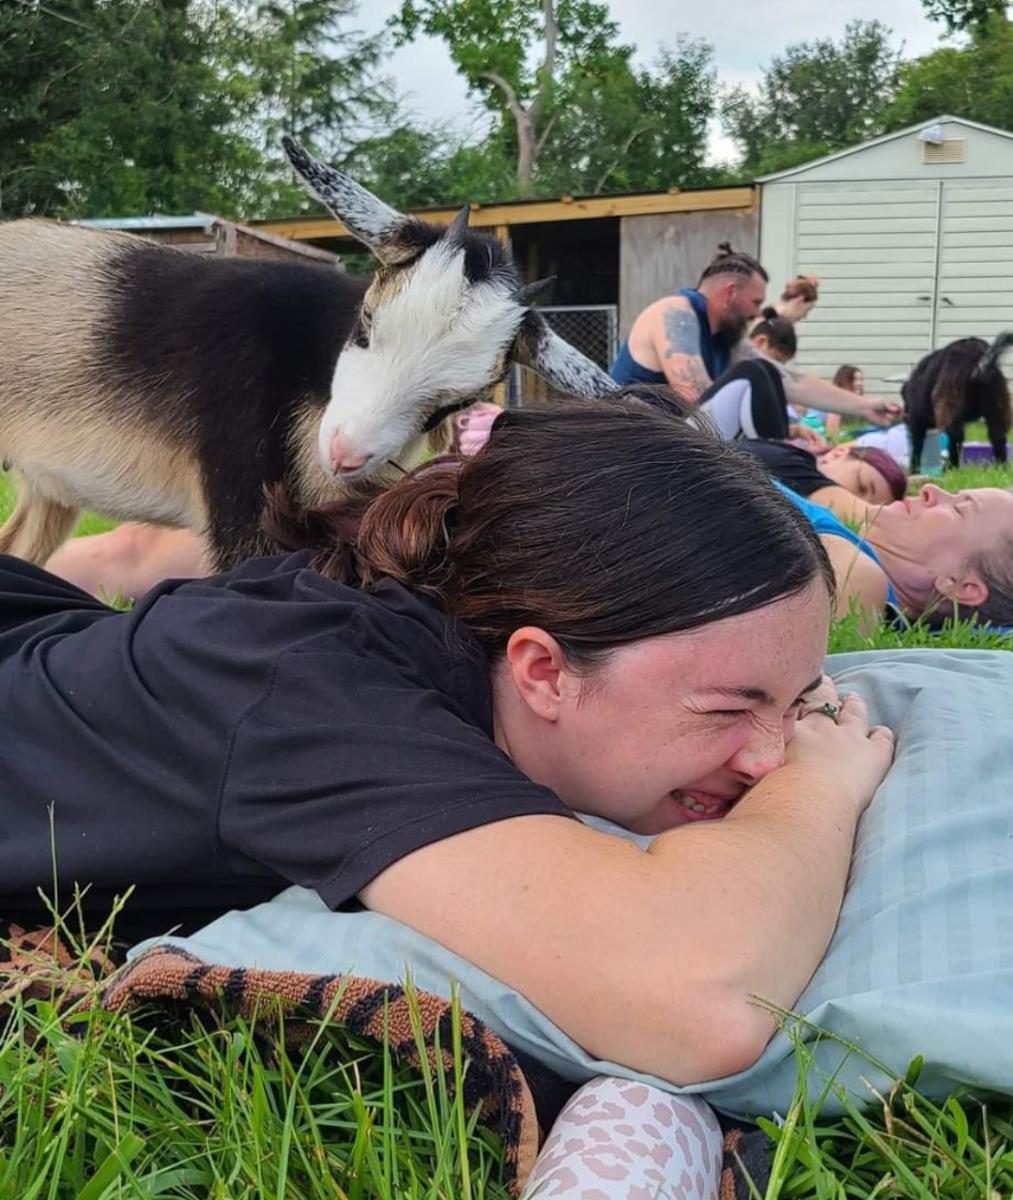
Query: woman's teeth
(695, 805)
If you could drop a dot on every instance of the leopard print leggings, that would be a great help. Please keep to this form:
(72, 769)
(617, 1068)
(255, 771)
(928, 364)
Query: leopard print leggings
(620, 1140)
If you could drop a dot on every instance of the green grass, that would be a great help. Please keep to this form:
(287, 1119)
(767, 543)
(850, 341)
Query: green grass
(89, 522)
(96, 1107)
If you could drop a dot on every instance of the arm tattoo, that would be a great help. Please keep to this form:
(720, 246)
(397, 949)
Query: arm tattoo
(681, 361)
(682, 332)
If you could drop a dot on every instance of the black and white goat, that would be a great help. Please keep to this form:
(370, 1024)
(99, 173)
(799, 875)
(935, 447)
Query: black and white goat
(155, 385)
(960, 382)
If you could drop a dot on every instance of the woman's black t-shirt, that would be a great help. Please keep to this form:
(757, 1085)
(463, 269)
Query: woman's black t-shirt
(794, 467)
(233, 735)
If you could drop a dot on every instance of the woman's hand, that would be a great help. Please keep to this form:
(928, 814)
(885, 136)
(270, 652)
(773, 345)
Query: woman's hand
(843, 748)
(813, 439)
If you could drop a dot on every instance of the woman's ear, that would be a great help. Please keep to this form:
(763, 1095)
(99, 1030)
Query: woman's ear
(537, 665)
(968, 592)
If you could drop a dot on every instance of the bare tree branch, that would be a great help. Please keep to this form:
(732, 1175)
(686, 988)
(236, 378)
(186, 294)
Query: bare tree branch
(511, 96)
(545, 133)
(620, 156)
(52, 12)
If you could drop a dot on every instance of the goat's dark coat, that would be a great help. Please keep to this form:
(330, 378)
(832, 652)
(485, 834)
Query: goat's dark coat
(222, 353)
(960, 382)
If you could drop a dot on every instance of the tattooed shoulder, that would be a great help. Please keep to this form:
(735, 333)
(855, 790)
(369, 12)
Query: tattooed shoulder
(682, 331)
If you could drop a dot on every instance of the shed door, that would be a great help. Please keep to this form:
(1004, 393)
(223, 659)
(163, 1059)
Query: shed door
(975, 296)
(873, 247)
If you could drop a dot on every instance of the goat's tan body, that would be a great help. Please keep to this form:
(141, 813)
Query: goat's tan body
(72, 440)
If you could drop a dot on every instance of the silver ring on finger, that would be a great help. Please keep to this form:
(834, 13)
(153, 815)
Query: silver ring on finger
(827, 709)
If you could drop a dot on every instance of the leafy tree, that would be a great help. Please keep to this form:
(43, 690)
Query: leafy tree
(816, 97)
(623, 129)
(973, 81)
(565, 90)
(313, 78)
(492, 43)
(964, 14)
(412, 167)
(116, 107)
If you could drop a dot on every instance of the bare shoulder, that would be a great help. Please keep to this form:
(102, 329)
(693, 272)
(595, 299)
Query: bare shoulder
(654, 316)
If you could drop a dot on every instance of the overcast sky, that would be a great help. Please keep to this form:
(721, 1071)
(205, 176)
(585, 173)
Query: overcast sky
(745, 35)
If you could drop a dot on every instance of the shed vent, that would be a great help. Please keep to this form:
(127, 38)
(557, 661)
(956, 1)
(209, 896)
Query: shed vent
(951, 150)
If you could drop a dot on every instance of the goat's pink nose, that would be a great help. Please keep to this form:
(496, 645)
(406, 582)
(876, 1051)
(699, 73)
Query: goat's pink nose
(344, 458)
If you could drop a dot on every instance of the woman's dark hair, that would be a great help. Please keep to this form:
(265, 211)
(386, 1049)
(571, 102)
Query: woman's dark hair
(601, 522)
(844, 377)
(732, 262)
(886, 465)
(802, 287)
(779, 332)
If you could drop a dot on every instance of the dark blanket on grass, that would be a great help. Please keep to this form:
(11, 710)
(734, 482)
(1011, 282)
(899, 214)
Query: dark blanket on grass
(519, 1098)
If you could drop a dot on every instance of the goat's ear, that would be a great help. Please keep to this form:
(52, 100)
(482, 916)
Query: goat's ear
(561, 364)
(530, 292)
(367, 218)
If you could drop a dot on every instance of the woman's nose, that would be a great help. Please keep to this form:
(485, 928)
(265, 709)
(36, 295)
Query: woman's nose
(764, 753)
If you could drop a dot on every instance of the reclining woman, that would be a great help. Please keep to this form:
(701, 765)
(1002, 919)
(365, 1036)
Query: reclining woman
(849, 480)
(603, 611)
(926, 556)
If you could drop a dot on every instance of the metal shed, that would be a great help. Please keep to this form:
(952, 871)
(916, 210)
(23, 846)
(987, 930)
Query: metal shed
(911, 236)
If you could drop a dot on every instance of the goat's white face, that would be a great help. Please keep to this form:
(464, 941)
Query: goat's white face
(437, 327)
(429, 339)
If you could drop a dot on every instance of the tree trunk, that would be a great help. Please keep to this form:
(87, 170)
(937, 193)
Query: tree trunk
(527, 119)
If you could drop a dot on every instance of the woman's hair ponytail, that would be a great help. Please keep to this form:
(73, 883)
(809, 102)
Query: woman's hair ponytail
(405, 533)
(402, 533)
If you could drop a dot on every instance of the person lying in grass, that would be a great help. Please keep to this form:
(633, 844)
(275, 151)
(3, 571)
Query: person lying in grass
(928, 556)
(849, 480)
(602, 611)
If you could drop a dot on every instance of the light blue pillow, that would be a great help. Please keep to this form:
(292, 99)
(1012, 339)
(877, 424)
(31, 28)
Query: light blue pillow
(922, 959)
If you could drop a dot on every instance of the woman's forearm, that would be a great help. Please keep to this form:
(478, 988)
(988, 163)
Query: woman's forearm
(773, 878)
(645, 959)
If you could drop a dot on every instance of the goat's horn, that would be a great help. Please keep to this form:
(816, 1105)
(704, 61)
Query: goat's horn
(366, 216)
(456, 228)
(561, 364)
(530, 292)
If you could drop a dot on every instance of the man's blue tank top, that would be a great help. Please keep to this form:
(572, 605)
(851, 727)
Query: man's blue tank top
(716, 356)
(825, 522)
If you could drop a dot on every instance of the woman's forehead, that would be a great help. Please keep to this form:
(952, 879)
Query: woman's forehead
(788, 634)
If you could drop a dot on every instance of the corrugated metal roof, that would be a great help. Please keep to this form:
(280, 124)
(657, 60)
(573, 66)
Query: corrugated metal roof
(155, 221)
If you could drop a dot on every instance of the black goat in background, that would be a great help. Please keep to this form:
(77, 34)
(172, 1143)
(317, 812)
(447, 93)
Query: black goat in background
(961, 382)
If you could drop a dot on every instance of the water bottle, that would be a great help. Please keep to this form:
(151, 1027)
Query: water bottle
(932, 456)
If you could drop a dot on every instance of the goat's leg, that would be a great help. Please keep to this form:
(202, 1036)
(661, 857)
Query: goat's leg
(917, 431)
(37, 526)
(955, 439)
(997, 434)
